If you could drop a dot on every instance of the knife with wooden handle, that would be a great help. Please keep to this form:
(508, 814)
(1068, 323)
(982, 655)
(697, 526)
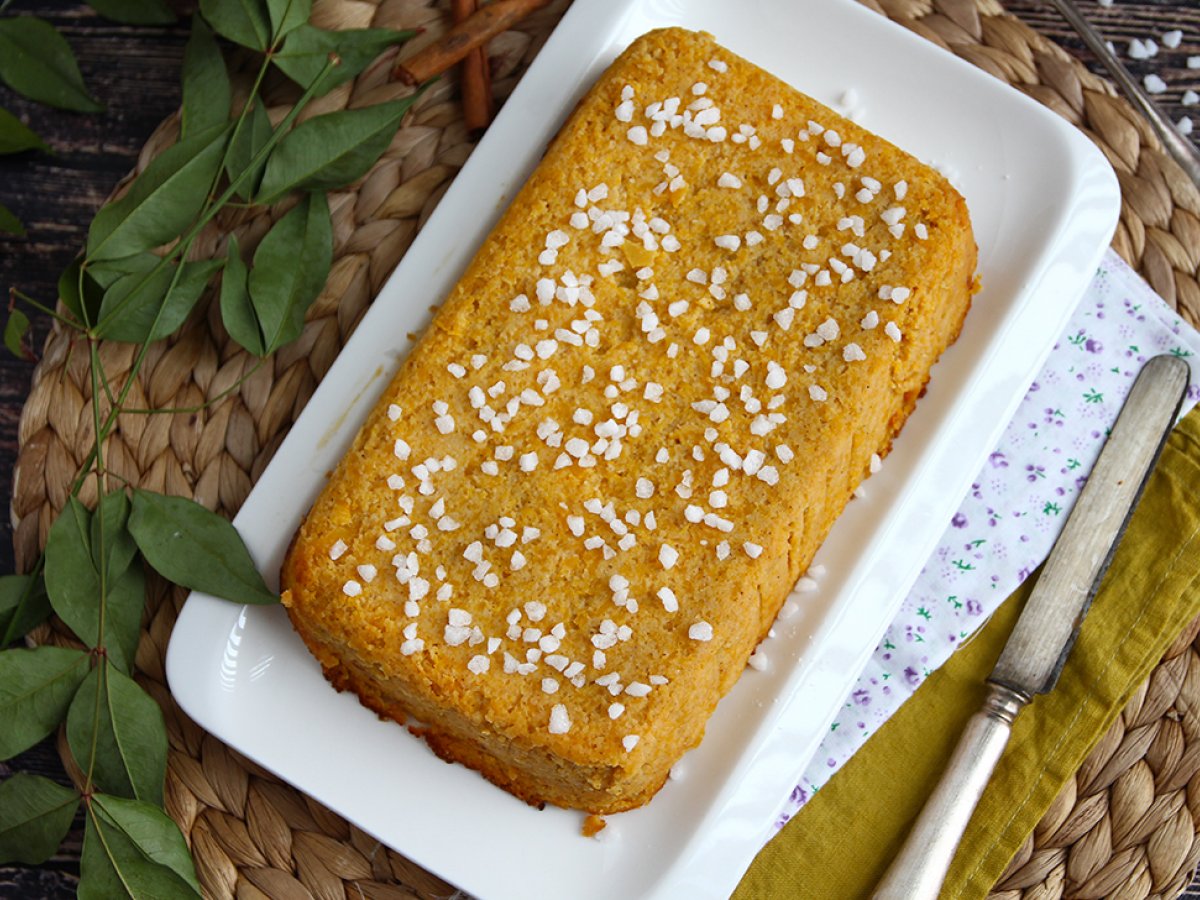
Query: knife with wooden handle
(1037, 649)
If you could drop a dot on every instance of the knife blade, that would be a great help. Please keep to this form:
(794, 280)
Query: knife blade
(1037, 649)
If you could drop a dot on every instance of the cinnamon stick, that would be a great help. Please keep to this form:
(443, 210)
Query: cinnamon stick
(476, 77)
(460, 40)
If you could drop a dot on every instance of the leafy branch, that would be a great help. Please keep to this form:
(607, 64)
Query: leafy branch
(136, 281)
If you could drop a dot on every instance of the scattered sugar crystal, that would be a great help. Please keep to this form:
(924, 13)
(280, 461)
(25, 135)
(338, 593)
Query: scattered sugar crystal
(352, 588)
(339, 547)
(1190, 98)
(637, 135)
(1184, 125)
(700, 631)
(818, 393)
(754, 551)
(1139, 49)
(479, 664)
(1154, 84)
(629, 742)
(560, 722)
(1172, 38)
(667, 556)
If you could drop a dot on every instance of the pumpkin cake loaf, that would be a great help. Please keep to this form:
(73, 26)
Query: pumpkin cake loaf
(587, 492)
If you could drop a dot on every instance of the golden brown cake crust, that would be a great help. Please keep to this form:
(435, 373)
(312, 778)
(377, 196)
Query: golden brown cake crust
(582, 500)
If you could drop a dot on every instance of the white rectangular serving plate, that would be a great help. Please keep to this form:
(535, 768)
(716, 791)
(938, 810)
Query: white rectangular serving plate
(1044, 204)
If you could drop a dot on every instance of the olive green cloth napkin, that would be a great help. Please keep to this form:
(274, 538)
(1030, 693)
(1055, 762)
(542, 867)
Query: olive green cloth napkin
(838, 846)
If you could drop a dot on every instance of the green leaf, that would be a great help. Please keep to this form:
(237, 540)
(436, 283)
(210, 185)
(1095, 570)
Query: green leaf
(35, 815)
(287, 15)
(237, 312)
(332, 150)
(36, 62)
(71, 578)
(15, 136)
(291, 265)
(16, 335)
(306, 50)
(245, 146)
(73, 583)
(123, 623)
(196, 548)
(133, 849)
(84, 307)
(134, 12)
(206, 87)
(107, 272)
(112, 516)
(139, 308)
(244, 22)
(23, 604)
(10, 223)
(112, 714)
(36, 687)
(163, 201)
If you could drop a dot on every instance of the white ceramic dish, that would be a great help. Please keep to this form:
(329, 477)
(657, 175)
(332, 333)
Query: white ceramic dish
(1044, 204)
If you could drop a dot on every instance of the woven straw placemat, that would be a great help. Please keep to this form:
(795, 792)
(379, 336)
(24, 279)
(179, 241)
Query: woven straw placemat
(1126, 826)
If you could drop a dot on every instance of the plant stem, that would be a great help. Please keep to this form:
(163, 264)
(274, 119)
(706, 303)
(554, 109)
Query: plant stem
(41, 307)
(100, 556)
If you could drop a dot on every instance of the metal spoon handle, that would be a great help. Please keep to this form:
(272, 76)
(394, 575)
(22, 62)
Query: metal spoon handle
(1177, 145)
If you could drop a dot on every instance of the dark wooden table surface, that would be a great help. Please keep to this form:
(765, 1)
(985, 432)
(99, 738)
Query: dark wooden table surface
(134, 72)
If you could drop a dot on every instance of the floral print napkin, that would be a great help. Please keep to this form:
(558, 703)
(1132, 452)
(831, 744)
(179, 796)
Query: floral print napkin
(1007, 524)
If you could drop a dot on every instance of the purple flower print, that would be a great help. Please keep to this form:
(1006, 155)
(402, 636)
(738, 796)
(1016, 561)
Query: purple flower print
(862, 697)
(974, 608)
(997, 460)
(959, 521)
(912, 676)
(1134, 310)
(1034, 472)
(1093, 346)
